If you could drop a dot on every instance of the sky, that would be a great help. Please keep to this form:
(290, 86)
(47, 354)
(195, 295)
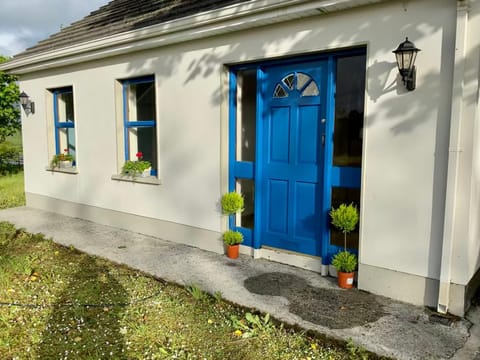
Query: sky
(25, 22)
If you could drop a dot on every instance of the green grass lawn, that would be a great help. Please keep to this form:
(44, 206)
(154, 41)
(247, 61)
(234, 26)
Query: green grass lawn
(12, 190)
(59, 303)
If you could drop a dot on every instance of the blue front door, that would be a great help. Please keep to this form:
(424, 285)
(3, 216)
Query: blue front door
(292, 156)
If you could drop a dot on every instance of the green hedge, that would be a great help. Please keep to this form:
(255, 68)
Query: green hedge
(11, 157)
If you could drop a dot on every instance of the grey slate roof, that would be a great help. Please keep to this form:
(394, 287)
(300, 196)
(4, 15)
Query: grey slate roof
(124, 15)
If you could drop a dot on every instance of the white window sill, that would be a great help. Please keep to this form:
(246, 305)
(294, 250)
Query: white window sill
(151, 180)
(71, 170)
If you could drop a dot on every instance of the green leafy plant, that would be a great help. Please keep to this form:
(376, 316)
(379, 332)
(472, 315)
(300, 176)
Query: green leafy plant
(232, 203)
(345, 218)
(136, 167)
(11, 155)
(218, 295)
(58, 158)
(345, 261)
(9, 98)
(252, 325)
(232, 237)
(197, 293)
(355, 351)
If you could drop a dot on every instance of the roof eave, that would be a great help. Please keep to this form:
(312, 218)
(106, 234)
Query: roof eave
(214, 22)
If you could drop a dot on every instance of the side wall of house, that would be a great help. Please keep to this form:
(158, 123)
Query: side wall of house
(405, 136)
(466, 247)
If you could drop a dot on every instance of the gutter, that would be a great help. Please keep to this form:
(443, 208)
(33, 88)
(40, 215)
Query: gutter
(455, 151)
(215, 22)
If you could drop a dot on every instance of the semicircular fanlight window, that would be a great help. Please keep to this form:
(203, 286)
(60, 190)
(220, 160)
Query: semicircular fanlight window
(296, 81)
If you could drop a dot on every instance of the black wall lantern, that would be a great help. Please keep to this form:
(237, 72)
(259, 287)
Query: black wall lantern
(28, 106)
(406, 54)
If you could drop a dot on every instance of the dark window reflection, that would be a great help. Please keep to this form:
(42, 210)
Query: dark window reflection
(349, 103)
(247, 188)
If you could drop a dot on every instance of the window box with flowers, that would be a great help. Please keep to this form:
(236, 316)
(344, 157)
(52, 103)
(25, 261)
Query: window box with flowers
(135, 168)
(62, 161)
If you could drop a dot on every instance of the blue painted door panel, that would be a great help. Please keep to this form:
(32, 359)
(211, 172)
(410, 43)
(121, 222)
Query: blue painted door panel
(292, 160)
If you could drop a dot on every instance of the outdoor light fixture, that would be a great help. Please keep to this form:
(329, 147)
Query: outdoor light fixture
(406, 54)
(28, 106)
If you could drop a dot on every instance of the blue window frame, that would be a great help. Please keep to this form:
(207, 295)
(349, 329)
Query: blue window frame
(64, 121)
(139, 119)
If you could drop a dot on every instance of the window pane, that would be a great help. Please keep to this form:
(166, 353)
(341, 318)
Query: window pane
(302, 79)
(65, 107)
(311, 90)
(141, 102)
(246, 114)
(288, 81)
(279, 92)
(246, 187)
(344, 196)
(66, 139)
(349, 101)
(143, 140)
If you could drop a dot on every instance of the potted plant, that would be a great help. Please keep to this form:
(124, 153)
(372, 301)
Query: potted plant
(139, 167)
(232, 203)
(345, 218)
(232, 239)
(63, 160)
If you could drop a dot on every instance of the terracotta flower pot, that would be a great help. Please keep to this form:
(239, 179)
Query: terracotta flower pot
(345, 280)
(232, 251)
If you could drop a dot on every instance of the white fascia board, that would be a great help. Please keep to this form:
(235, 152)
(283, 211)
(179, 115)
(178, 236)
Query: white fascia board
(210, 23)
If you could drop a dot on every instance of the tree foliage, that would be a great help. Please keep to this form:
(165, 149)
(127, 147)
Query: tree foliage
(9, 109)
(345, 217)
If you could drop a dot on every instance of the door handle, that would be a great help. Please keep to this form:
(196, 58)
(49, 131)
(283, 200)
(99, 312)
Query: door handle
(323, 121)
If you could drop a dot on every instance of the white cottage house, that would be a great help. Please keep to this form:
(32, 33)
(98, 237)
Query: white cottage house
(298, 104)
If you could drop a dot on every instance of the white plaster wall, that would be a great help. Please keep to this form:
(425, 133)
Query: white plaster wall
(405, 143)
(189, 146)
(406, 134)
(466, 248)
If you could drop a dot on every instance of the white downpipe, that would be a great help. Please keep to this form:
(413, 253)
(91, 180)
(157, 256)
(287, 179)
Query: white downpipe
(454, 154)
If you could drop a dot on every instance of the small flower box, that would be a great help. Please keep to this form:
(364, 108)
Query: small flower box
(63, 161)
(139, 167)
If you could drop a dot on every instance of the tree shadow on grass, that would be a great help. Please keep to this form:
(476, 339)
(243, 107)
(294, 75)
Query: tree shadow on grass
(85, 320)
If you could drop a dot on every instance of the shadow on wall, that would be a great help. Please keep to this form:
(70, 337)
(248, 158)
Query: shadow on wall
(378, 75)
(224, 49)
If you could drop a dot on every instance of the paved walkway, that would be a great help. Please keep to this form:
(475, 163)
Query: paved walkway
(292, 295)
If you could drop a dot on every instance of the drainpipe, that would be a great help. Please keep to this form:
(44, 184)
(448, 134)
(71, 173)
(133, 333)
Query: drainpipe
(454, 154)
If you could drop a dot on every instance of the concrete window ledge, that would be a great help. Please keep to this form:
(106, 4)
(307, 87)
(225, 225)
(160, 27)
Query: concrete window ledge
(72, 170)
(150, 180)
